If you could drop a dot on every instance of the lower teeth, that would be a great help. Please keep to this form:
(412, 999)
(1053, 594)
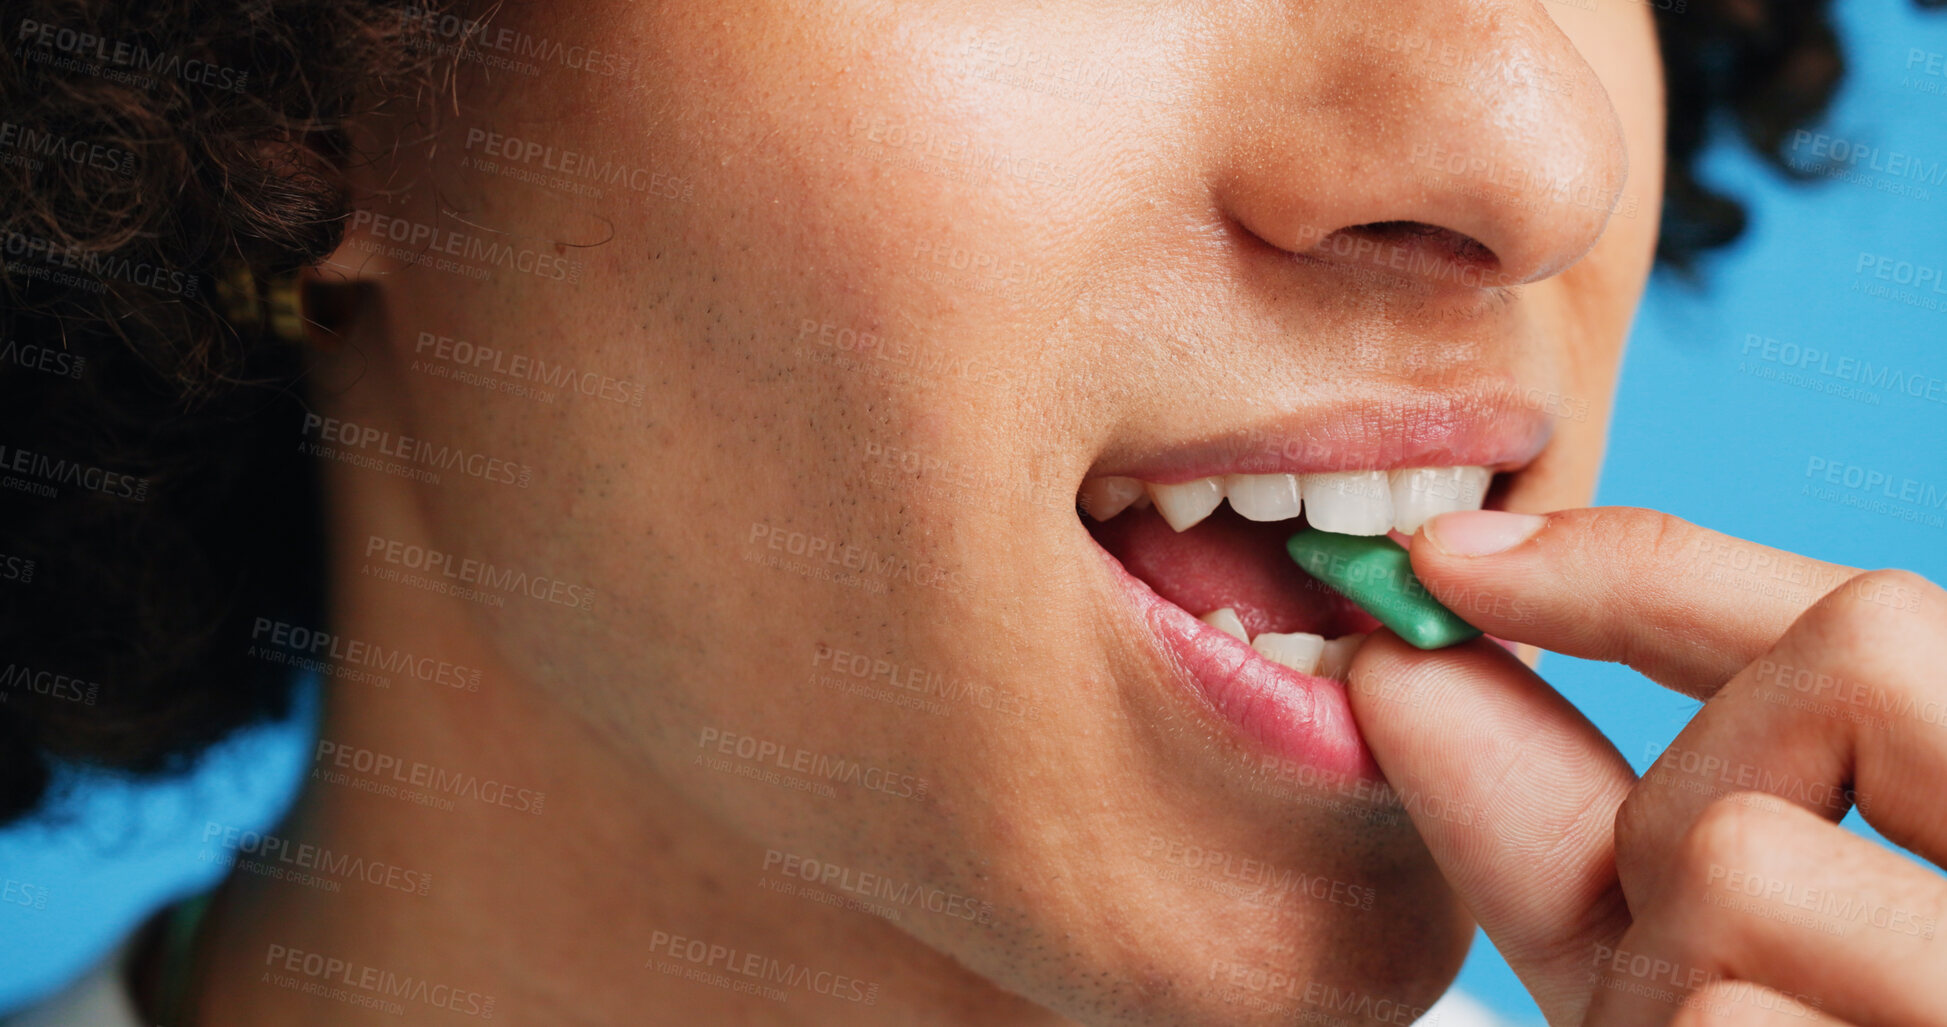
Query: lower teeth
(1300, 651)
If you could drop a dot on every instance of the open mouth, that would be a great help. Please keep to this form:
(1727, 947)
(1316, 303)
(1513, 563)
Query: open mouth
(1266, 644)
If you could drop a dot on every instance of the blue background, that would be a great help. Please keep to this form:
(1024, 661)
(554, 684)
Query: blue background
(1698, 434)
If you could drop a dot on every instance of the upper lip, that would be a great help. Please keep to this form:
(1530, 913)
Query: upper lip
(1495, 428)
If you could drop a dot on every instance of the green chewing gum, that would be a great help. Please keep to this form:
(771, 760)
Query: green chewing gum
(1376, 573)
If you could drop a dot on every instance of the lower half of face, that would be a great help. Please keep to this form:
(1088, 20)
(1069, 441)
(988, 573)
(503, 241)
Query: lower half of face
(954, 366)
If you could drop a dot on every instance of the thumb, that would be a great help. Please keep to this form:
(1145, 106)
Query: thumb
(1515, 794)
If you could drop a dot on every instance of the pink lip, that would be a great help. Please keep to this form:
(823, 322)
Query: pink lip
(1302, 718)
(1489, 426)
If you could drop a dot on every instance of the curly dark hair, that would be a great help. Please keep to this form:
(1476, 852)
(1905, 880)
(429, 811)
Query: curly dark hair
(158, 509)
(1761, 67)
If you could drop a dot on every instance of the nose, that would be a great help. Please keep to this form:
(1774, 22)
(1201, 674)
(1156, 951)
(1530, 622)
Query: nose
(1463, 137)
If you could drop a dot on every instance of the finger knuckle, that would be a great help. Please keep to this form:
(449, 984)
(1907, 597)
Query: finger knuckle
(1871, 612)
(1730, 835)
(1893, 588)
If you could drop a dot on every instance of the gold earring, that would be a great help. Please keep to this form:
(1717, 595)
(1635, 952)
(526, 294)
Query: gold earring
(272, 307)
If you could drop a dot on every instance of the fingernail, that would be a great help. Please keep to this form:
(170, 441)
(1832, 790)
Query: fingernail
(1481, 532)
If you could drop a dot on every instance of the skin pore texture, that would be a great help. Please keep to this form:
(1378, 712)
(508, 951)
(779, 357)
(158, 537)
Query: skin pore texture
(1150, 264)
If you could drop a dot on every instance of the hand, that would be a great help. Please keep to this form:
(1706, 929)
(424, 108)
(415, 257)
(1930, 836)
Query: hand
(1718, 888)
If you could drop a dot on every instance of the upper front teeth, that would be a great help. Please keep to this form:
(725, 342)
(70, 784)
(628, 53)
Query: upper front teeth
(1347, 502)
(1350, 502)
(1263, 497)
(1421, 493)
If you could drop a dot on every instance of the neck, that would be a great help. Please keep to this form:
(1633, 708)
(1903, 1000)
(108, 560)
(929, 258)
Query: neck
(496, 846)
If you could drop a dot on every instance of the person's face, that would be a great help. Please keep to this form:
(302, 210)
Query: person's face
(896, 280)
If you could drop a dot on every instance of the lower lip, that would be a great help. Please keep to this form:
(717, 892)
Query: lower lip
(1302, 718)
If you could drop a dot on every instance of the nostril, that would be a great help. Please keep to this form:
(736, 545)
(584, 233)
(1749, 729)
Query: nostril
(1385, 240)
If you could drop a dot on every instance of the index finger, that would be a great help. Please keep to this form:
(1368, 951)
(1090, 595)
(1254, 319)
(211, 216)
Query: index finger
(1686, 606)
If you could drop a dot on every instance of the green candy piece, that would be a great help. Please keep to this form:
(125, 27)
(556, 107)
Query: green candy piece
(1376, 573)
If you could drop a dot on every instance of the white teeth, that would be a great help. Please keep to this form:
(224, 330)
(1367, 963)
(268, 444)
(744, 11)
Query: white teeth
(1421, 493)
(1301, 651)
(1298, 650)
(1336, 660)
(1103, 498)
(1347, 502)
(1263, 497)
(1187, 503)
(1226, 621)
(1350, 502)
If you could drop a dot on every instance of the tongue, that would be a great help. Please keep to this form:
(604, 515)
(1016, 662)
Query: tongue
(1229, 561)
